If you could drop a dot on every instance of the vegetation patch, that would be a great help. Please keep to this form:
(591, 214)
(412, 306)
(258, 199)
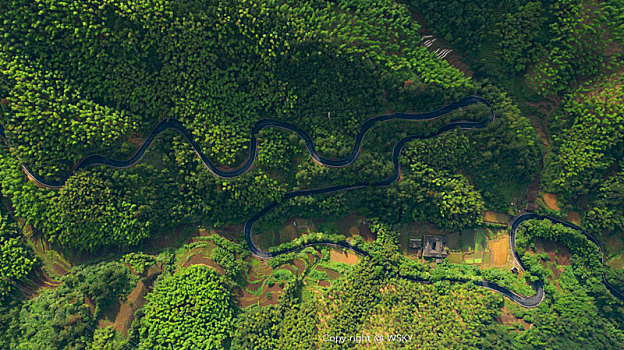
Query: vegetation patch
(199, 302)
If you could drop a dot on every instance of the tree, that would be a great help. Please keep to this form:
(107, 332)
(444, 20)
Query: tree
(16, 260)
(190, 309)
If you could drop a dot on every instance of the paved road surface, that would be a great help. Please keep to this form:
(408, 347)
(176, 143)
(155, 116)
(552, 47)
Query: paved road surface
(94, 160)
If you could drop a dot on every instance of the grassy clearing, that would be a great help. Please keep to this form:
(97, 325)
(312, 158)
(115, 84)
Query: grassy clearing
(480, 240)
(455, 258)
(473, 258)
(454, 242)
(467, 240)
(201, 248)
(54, 264)
(496, 217)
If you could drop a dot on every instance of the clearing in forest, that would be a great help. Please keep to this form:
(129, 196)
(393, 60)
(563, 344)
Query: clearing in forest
(551, 201)
(480, 243)
(467, 240)
(573, 217)
(343, 256)
(496, 218)
(500, 250)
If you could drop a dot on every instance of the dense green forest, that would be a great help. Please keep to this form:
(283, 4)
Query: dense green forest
(154, 255)
(17, 259)
(79, 92)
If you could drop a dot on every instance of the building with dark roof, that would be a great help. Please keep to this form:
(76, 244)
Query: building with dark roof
(415, 243)
(435, 247)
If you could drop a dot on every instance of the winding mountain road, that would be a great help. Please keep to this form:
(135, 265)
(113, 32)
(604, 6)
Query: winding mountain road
(94, 160)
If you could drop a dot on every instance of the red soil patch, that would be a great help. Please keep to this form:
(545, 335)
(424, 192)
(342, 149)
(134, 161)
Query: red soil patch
(291, 269)
(324, 283)
(135, 139)
(532, 193)
(556, 272)
(123, 314)
(541, 127)
(331, 274)
(230, 232)
(290, 229)
(269, 296)
(343, 256)
(508, 319)
(166, 240)
(300, 265)
(203, 233)
(197, 259)
(245, 298)
(574, 217)
(366, 233)
(58, 269)
(557, 253)
(551, 201)
(91, 304)
(253, 287)
(348, 225)
(36, 280)
(257, 272)
(312, 258)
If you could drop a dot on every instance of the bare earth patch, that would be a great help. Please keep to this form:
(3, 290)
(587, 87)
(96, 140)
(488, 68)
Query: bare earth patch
(90, 303)
(500, 250)
(135, 138)
(324, 283)
(300, 265)
(269, 296)
(256, 277)
(574, 217)
(347, 225)
(123, 314)
(37, 282)
(508, 319)
(616, 262)
(230, 232)
(343, 256)
(166, 240)
(557, 253)
(258, 270)
(366, 233)
(331, 274)
(245, 298)
(550, 200)
(541, 127)
(197, 259)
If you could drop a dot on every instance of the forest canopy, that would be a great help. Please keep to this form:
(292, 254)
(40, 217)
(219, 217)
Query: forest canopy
(155, 251)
